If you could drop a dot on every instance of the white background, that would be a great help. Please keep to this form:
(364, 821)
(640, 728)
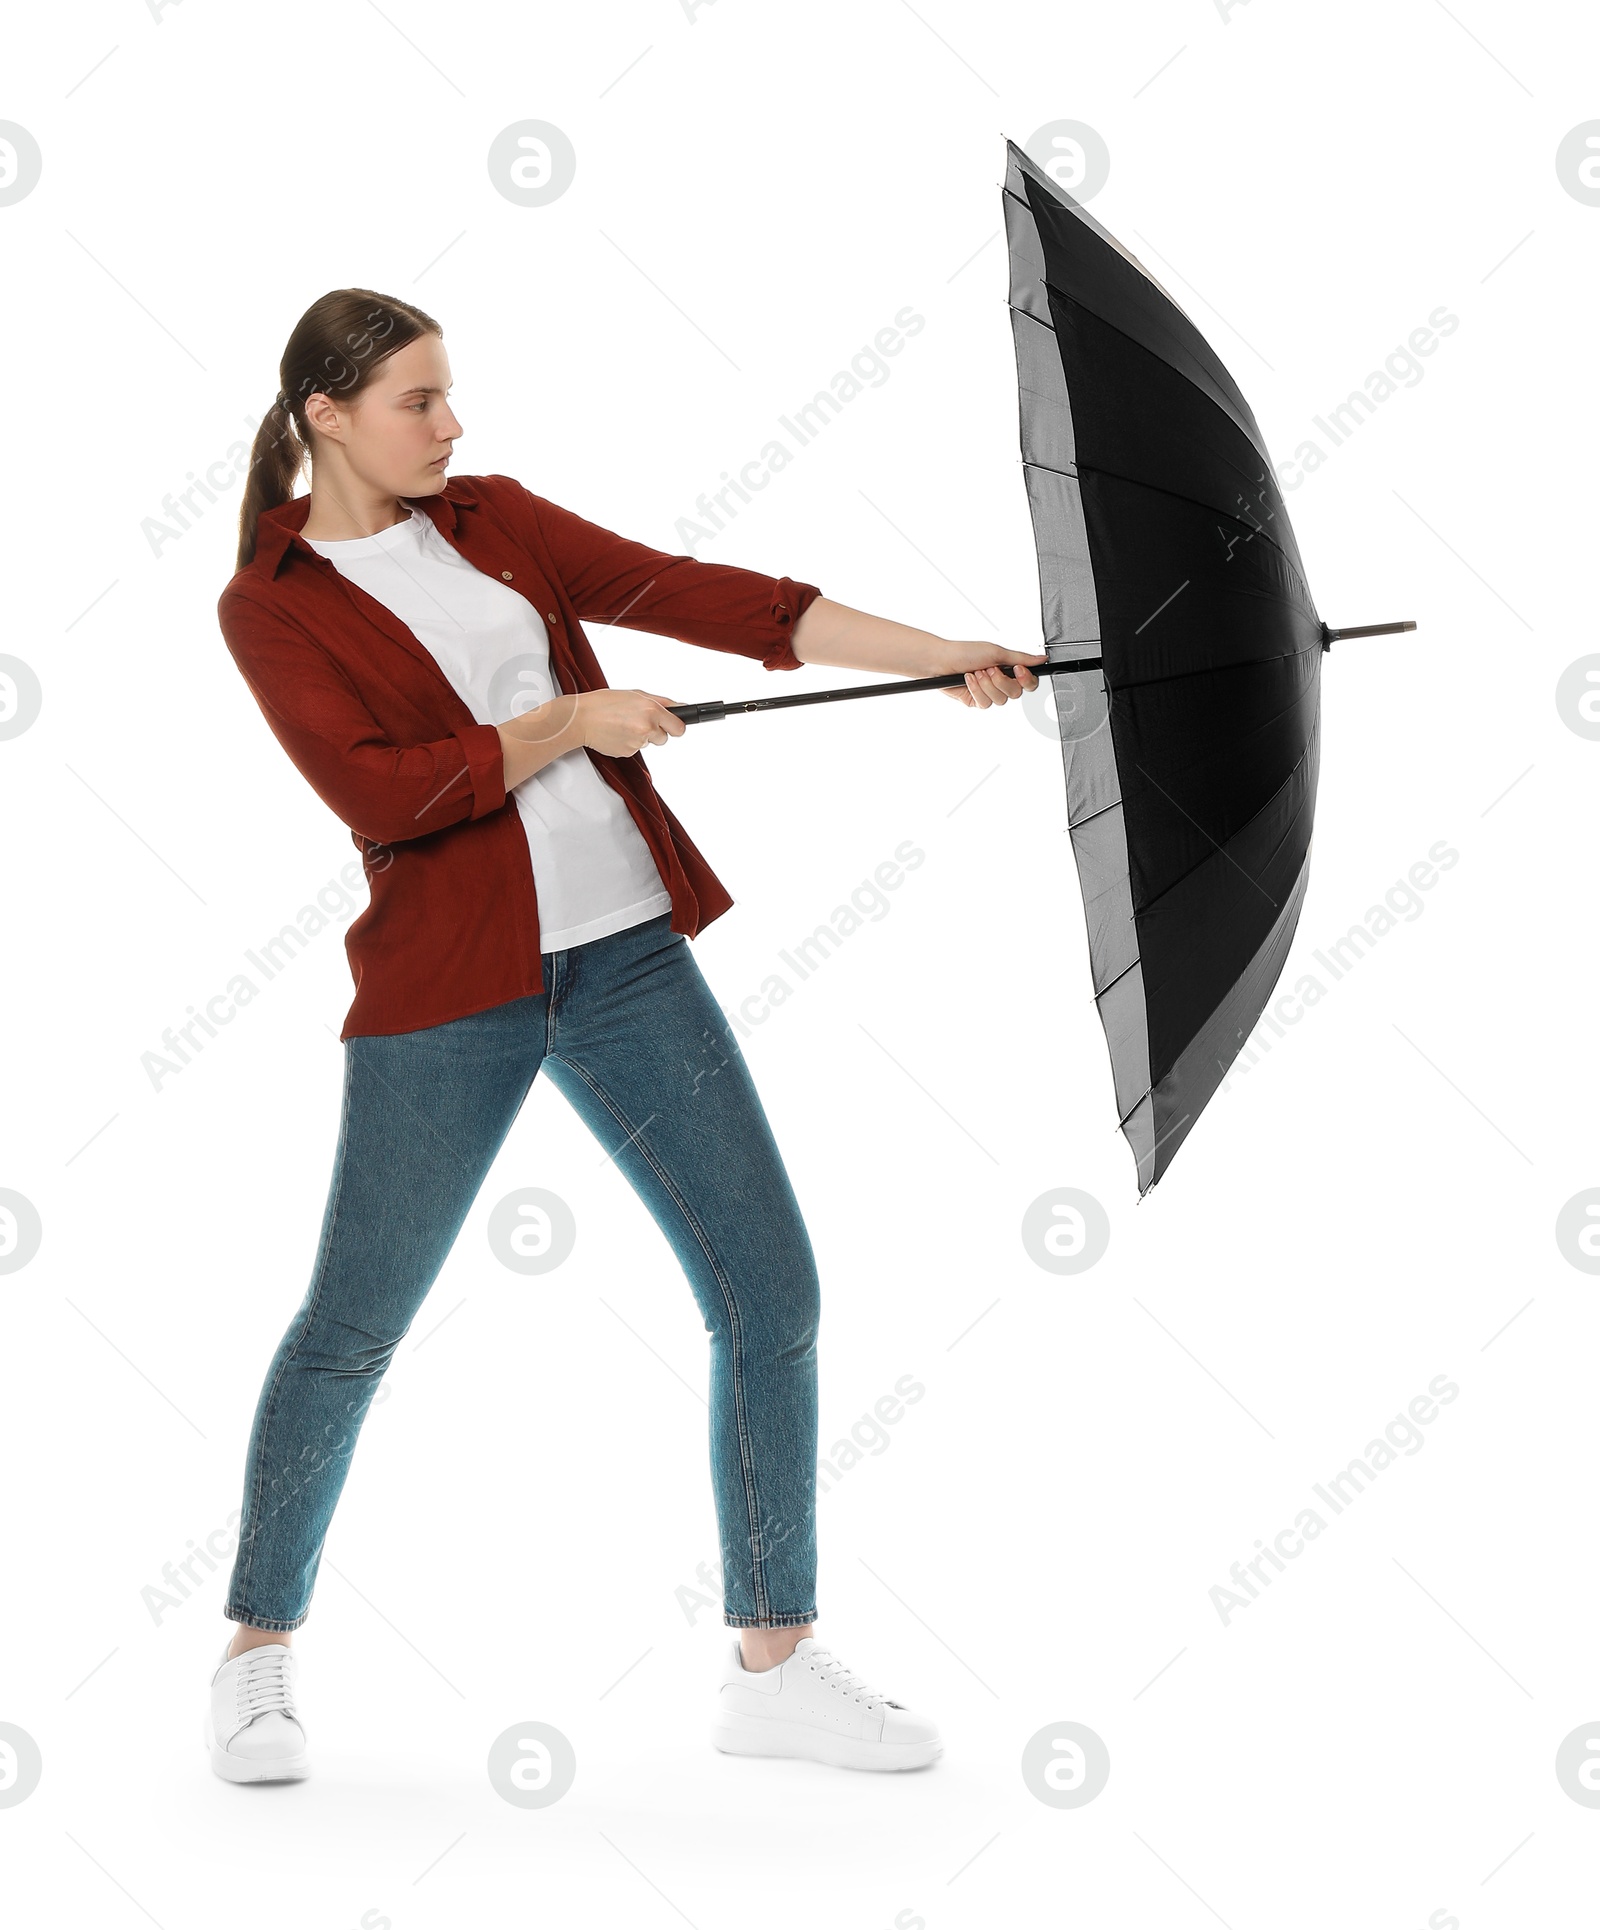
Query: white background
(1370, 1205)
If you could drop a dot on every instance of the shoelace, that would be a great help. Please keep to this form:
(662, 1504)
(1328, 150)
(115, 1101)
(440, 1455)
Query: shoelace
(264, 1682)
(837, 1676)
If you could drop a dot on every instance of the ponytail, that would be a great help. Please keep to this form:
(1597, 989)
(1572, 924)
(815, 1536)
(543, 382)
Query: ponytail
(334, 349)
(277, 457)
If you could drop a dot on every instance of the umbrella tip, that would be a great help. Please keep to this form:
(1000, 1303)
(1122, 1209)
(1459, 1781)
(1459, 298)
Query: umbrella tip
(1330, 637)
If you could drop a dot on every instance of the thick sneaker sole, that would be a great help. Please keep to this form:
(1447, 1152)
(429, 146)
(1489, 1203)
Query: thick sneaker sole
(242, 1769)
(742, 1735)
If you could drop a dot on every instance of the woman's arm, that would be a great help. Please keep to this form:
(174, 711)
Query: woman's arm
(723, 607)
(616, 580)
(619, 722)
(382, 790)
(614, 722)
(538, 737)
(833, 633)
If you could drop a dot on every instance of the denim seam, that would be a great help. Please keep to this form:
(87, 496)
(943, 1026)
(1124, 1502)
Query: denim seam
(752, 1500)
(553, 990)
(270, 1412)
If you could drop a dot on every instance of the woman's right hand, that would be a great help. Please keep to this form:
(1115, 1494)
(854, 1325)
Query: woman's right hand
(619, 722)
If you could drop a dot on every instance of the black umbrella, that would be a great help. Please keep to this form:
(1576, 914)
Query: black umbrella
(1184, 652)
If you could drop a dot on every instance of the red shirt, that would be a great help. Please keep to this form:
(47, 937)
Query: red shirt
(381, 736)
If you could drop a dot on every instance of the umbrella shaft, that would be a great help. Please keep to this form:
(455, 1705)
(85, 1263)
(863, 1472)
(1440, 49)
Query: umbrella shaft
(709, 712)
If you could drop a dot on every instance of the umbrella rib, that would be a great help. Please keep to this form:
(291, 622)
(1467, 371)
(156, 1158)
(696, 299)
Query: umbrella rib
(1029, 463)
(1149, 1091)
(1145, 349)
(1122, 1124)
(1110, 982)
(1074, 824)
(1088, 221)
(1141, 909)
(1178, 496)
(1221, 849)
(1177, 676)
(1217, 669)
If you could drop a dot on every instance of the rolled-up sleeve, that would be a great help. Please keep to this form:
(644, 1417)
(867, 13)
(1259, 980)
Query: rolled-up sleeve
(616, 580)
(382, 790)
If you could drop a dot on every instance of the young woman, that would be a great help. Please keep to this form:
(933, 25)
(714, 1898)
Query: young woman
(415, 643)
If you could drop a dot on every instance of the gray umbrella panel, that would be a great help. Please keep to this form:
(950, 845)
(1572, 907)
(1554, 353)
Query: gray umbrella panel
(1191, 760)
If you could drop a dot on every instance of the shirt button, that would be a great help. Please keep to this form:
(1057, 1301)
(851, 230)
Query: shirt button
(551, 617)
(506, 574)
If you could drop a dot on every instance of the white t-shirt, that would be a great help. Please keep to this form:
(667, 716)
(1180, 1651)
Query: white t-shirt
(592, 870)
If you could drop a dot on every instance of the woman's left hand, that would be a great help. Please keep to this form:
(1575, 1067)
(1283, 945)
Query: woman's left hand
(986, 683)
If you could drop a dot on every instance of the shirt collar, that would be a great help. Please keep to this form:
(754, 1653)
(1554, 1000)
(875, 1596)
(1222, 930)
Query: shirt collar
(278, 529)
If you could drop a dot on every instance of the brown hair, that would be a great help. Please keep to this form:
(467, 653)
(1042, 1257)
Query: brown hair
(334, 349)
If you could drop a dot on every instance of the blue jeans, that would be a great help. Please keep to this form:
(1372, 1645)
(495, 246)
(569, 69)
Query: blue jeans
(629, 1032)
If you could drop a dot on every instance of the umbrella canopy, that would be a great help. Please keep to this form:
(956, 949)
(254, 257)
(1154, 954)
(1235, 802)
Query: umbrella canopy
(1165, 552)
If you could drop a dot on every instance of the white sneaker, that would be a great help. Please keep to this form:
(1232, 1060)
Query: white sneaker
(811, 1705)
(252, 1727)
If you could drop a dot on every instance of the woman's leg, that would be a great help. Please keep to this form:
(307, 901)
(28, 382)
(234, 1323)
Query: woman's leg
(639, 1047)
(424, 1114)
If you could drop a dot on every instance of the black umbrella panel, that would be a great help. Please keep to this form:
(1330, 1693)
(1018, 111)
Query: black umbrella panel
(1184, 658)
(1164, 551)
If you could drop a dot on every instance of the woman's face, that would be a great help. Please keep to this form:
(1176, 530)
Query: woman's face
(396, 434)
